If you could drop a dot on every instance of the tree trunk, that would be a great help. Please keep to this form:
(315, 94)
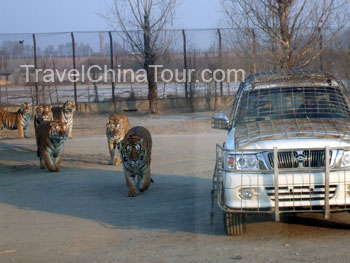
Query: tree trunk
(149, 60)
(283, 13)
(152, 91)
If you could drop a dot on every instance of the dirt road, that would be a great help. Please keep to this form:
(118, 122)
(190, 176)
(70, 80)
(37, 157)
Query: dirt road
(82, 214)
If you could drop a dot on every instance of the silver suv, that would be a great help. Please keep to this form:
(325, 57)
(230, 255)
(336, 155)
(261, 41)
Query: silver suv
(287, 149)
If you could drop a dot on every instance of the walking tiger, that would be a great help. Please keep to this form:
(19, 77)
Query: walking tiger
(65, 115)
(136, 155)
(17, 120)
(42, 113)
(50, 137)
(116, 128)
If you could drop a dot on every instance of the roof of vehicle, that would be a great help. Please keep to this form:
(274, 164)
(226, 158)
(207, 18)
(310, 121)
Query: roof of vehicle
(289, 75)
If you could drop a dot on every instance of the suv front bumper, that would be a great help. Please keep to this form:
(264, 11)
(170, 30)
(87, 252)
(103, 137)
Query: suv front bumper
(295, 190)
(276, 191)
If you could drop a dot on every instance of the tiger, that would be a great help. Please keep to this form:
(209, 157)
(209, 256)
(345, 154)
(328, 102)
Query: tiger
(135, 151)
(17, 120)
(116, 128)
(65, 114)
(50, 137)
(43, 113)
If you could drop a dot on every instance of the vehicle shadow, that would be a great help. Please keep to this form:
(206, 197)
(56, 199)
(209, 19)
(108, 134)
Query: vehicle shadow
(317, 220)
(173, 202)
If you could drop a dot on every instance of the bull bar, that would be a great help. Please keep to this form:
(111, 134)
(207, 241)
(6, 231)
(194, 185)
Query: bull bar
(274, 171)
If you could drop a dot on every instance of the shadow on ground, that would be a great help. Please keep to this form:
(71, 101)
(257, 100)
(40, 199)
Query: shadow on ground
(173, 202)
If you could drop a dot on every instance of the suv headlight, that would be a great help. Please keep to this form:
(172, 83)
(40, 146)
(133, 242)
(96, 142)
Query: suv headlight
(346, 159)
(242, 162)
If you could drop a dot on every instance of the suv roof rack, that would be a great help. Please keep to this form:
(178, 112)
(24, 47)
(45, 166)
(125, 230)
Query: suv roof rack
(285, 75)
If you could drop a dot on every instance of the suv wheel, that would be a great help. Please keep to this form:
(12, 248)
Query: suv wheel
(235, 224)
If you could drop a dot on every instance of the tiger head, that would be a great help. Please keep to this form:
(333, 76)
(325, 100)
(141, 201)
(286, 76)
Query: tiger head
(132, 151)
(44, 113)
(115, 129)
(58, 131)
(26, 109)
(69, 107)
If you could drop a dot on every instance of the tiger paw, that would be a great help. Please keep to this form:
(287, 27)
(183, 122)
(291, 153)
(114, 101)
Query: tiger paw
(132, 194)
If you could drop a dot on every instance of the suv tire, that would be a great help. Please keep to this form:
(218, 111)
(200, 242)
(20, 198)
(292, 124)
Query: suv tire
(235, 224)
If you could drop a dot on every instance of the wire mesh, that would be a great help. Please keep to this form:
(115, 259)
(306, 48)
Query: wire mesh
(224, 48)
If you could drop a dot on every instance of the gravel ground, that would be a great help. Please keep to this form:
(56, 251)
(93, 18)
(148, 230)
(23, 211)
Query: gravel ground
(83, 214)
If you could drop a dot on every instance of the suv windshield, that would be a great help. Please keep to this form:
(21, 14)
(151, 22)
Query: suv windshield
(291, 102)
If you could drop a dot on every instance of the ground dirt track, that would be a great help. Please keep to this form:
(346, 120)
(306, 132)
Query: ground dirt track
(82, 214)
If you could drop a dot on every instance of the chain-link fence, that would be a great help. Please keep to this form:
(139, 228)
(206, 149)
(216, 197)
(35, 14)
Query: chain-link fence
(202, 50)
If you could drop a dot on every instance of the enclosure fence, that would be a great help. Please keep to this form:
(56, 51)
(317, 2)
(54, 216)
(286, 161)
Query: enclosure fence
(223, 48)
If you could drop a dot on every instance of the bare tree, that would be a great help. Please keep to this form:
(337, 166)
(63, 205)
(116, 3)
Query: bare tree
(290, 31)
(142, 23)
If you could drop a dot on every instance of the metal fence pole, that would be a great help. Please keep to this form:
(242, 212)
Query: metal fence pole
(185, 61)
(74, 67)
(220, 61)
(35, 68)
(7, 94)
(254, 51)
(321, 47)
(112, 66)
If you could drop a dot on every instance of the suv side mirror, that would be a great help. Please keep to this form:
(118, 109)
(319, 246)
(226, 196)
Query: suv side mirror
(220, 121)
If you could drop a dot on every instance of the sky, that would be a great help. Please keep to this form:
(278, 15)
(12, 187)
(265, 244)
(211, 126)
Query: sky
(41, 16)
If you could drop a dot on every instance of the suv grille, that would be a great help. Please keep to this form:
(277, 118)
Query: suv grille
(314, 158)
(301, 193)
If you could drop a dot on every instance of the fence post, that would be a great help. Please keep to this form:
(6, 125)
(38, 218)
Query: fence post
(321, 47)
(112, 66)
(74, 76)
(185, 61)
(254, 51)
(7, 93)
(220, 62)
(35, 68)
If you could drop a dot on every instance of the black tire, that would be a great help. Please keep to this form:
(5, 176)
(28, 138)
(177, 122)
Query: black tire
(235, 224)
